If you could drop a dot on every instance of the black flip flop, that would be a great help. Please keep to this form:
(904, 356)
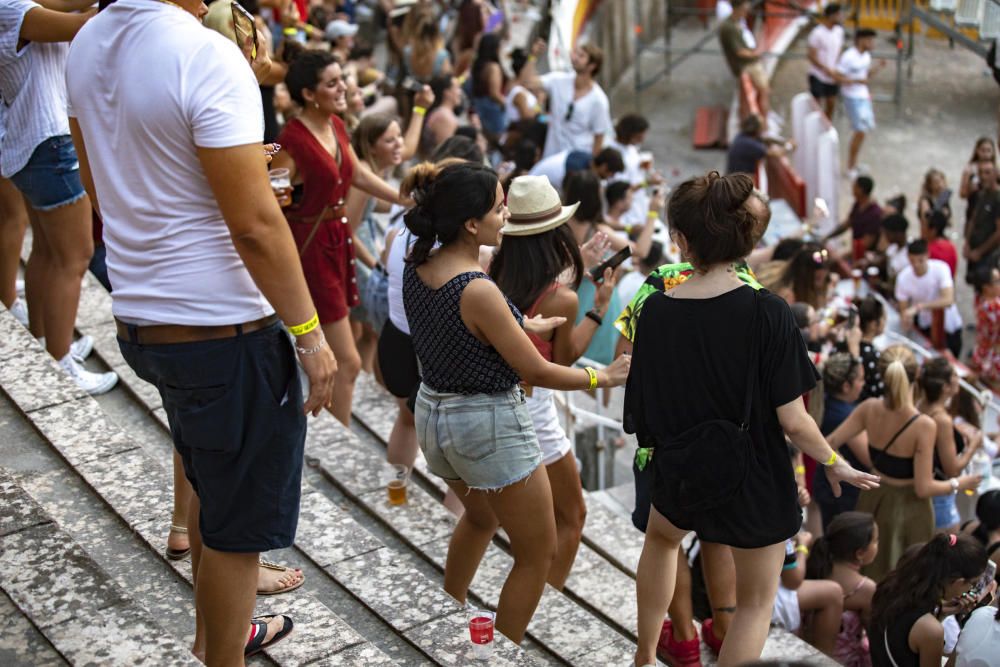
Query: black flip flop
(177, 554)
(257, 643)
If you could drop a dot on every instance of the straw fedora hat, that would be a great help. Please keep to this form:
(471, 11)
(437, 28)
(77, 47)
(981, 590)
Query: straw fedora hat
(534, 207)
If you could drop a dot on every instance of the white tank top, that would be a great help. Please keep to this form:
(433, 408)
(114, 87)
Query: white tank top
(512, 113)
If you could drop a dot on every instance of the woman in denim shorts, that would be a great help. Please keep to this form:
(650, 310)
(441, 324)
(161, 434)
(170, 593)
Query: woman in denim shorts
(471, 418)
(37, 155)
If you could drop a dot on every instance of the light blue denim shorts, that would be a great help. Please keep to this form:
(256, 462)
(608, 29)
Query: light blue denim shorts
(860, 113)
(485, 440)
(945, 511)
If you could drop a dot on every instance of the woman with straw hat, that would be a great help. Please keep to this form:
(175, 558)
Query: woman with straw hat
(539, 268)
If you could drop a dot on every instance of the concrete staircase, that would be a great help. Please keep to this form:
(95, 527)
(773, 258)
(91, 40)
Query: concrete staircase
(90, 480)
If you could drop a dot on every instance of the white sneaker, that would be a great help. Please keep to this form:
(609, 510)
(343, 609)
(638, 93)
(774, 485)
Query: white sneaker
(92, 383)
(19, 309)
(81, 348)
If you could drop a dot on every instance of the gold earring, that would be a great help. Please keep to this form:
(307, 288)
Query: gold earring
(316, 104)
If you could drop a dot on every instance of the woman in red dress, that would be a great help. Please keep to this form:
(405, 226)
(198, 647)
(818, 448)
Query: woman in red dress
(317, 152)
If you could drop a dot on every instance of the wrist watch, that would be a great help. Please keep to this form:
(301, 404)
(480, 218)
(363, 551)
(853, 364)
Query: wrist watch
(594, 317)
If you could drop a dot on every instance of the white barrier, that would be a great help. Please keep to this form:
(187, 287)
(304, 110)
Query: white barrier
(817, 156)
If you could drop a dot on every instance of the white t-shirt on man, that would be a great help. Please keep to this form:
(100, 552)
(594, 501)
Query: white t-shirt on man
(33, 88)
(553, 168)
(855, 65)
(148, 85)
(827, 42)
(591, 114)
(926, 288)
(634, 175)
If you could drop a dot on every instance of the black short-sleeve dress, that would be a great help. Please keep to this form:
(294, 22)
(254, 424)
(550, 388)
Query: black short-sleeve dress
(689, 365)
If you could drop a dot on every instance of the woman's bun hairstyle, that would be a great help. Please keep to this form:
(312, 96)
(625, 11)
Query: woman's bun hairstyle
(711, 213)
(447, 194)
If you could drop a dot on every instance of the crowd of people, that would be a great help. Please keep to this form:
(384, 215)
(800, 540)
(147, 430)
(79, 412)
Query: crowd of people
(278, 202)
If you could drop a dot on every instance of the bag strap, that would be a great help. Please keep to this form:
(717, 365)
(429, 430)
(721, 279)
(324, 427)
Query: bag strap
(315, 228)
(752, 367)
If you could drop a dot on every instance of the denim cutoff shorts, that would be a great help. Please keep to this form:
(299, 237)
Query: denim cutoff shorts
(52, 176)
(485, 440)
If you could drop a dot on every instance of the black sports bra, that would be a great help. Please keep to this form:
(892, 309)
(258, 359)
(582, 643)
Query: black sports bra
(897, 467)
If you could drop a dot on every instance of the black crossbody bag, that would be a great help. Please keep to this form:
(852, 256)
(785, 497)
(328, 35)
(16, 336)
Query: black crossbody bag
(706, 465)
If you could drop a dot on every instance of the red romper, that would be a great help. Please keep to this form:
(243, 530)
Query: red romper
(328, 259)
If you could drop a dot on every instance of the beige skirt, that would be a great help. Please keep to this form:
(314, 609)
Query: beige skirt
(903, 520)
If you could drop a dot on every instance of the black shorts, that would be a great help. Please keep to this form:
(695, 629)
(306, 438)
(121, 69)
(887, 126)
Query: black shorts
(235, 411)
(398, 362)
(819, 90)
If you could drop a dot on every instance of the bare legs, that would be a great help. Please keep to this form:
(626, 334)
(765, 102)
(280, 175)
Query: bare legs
(61, 249)
(13, 222)
(720, 580)
(524, 509)
(570, 514)
(225, 588)
(681, 611)
(854, 148)
(657, 573)
(756, 585)
(826, 599)
(341, 340)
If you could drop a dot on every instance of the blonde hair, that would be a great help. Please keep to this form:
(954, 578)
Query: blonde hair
(898, 367)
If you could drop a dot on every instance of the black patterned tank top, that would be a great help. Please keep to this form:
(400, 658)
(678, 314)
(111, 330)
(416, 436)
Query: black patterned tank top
(452, 359)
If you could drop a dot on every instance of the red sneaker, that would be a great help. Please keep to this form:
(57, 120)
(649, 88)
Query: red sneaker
(678, 653)
(707, 636)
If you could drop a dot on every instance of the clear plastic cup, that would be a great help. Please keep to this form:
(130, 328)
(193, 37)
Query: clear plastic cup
(398, 479)
(281, 184)
(481, 633)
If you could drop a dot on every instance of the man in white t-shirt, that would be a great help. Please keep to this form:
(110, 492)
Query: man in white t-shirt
(854, 69)
(630, 133)
(825, 42)
(579, 111)
(605, 164)
(924, 286)
(167, 120)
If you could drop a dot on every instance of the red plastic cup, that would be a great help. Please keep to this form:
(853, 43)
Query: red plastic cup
(481, 633)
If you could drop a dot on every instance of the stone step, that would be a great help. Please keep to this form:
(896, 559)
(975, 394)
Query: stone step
(84, 614)
(561, 625)
(595, 581)
(400, 595)
(132, 483)
(603, 575)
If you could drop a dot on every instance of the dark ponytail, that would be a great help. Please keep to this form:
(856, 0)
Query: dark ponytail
(847, 534)
(447, 195)
(918, 582)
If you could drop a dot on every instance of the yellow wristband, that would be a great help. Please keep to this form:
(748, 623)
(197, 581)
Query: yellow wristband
(652, 215)
(305, 327)
(593, 377)
(420, 111)
(802, 549)
(800, 470)
(833, 459)
(532, 58)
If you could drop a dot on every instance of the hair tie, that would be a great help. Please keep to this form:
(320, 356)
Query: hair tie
(952, 539)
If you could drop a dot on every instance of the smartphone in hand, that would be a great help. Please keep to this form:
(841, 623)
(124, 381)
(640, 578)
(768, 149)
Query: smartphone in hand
(244, 27)
(597, 273)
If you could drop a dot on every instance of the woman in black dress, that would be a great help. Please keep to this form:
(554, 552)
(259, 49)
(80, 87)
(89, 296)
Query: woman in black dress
(715, 359)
